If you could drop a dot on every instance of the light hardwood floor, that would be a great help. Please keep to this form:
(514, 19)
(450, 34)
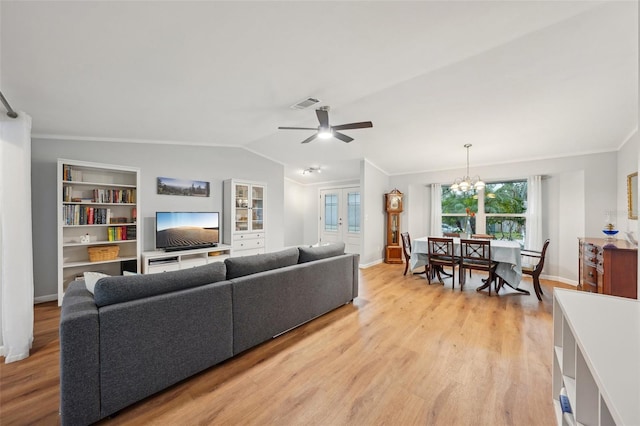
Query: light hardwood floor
(404, 353)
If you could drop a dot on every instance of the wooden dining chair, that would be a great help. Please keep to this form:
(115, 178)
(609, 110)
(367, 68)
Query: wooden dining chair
(532, 264)
(451, 234)
(476, 254)
(406, 248)
(440, 253)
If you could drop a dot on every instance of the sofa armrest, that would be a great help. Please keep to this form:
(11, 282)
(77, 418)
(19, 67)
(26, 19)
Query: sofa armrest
(79, 357)
(356, 274)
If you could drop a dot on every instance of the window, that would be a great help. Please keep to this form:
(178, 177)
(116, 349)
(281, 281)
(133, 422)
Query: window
(499, 209)
(331, 212)
(353, 215)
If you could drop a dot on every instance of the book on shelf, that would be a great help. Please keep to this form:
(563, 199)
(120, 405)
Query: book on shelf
(70, 174)
(121, 233)
(74, 214)
(115, 196)
(565, 405)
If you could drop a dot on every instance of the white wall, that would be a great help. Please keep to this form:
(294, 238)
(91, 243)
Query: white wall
(212, 164)
(628, 160)
(597, 174)
(375, 184)
(627, 164)
(295, 204)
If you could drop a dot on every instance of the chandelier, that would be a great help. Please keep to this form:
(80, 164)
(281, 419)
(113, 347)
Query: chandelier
(467, 183)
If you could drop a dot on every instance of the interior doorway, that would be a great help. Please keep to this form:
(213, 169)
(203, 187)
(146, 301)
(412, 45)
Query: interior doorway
(340, 217)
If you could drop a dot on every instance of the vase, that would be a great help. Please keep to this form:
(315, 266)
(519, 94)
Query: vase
(467, 227)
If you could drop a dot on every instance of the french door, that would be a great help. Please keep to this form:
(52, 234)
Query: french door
(340, 217)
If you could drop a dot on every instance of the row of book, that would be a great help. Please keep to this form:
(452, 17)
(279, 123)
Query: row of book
(115, 196)
(70, 174)
(119, 233)
(75, 214)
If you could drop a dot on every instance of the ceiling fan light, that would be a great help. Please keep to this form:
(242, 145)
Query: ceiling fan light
(325, 134)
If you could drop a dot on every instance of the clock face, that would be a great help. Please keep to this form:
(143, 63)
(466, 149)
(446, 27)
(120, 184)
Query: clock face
(394, 202)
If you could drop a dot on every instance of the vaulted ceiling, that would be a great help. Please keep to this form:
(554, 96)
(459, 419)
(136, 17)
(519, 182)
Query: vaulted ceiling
(517, 79)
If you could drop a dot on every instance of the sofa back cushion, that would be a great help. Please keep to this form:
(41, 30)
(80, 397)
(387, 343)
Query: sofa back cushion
(309, 254)
(118, 289)
(247, 265)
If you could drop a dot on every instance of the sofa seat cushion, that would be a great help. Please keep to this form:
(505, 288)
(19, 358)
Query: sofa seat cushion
(309, 254)
(118, 289)
(247, 265)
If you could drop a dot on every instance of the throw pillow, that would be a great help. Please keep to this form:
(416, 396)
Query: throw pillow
(309, 254)
(247, 265)
(90, 279)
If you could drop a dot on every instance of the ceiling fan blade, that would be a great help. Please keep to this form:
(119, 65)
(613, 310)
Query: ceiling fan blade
(298, 128)
(323, 118)
(360, 125)
(342, 137)
(310, 138)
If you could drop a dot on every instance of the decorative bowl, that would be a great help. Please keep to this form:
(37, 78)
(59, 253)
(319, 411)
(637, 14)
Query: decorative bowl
(610, 232)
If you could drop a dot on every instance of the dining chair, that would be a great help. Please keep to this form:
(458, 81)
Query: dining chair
(476, 254)
(406, 248)
(440, 253)
(481, 237)
(449, 235)
(533, 267)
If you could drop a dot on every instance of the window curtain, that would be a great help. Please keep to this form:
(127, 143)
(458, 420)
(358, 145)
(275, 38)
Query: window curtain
(16, 258)
(534, 214)
(436, 210)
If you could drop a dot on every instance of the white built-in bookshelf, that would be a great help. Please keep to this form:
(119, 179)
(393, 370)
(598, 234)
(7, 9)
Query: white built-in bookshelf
(596, 357)
(97, 208)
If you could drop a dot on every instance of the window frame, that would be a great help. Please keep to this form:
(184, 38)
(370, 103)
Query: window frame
(479, 225)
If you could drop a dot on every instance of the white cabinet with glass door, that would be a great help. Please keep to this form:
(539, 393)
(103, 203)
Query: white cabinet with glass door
(244, 216)
(340, 217)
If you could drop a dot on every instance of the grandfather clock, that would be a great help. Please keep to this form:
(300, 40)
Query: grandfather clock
(393, 203)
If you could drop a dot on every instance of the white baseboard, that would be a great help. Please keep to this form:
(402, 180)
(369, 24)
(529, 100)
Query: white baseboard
(46, 298)
(370, 264)
(560, 279)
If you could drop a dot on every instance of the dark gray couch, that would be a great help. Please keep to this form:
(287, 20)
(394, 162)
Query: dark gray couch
(137, 335)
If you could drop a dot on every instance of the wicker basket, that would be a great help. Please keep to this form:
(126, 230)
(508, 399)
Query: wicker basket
(100, 253)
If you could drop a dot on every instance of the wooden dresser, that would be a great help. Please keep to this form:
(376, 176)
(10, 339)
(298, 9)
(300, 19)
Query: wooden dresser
(608, 266)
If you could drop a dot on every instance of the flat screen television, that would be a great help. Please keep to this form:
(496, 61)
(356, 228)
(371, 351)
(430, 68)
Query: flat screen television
(187, 230)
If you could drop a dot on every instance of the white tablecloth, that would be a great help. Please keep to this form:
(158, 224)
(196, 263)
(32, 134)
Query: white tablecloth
(506, 253)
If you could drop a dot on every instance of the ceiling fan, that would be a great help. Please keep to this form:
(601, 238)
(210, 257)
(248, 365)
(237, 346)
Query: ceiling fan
(325, 131)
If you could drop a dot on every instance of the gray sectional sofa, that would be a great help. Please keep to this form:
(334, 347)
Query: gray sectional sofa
(136, 335)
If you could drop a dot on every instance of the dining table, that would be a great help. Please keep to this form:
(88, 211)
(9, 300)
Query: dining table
(505, 253)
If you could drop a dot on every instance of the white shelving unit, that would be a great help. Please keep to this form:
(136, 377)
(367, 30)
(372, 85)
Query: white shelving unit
(244, 216)
(99, 202)
(154, 262)
(596, 357)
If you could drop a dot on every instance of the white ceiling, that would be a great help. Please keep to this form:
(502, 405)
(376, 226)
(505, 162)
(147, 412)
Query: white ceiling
(517, 79)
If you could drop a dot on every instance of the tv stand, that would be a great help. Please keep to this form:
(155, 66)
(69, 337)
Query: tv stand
(185, 248)
(162, 261)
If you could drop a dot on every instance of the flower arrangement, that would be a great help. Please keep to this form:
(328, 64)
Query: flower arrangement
(467, 227)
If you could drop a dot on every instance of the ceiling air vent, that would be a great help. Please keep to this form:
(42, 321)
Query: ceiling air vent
(305, 103)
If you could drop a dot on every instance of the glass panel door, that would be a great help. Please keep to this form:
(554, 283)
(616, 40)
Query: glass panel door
(242, 208)
(257, 208)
